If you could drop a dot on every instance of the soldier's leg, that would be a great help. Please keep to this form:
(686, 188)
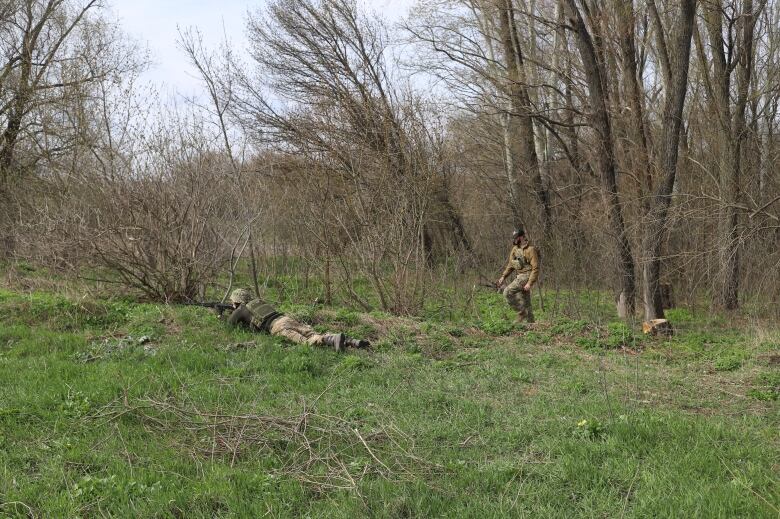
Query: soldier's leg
(529, 312)
(512, 294)
(295, 331)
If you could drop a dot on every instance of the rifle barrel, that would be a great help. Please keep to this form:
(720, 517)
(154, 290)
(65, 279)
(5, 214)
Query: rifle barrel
(221, 307)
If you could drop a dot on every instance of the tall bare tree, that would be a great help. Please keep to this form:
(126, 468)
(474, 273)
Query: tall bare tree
(35, 43)
(521, 117)
(729, 27)
(590, 44)
(656, 220)
(327, 91)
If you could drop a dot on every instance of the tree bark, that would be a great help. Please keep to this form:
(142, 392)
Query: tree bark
(732, 131)
(656, 221)
(521, 119)
(605, 154)
(640, 158)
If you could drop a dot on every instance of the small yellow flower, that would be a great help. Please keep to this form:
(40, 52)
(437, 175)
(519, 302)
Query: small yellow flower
(583, 423)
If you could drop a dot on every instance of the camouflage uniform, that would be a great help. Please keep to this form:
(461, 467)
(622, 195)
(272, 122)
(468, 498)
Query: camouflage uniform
(525, 261)
(297, 332)
(262, 317)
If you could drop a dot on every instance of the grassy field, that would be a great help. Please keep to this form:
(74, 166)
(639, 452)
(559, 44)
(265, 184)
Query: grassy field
(110, 408)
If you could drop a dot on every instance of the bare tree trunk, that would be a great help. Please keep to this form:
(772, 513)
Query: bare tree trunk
(522, 112)
(253, 263)
(510, 169)
(605, 155)
(732, 127)
(328, 283)
(656, 220)
(541, 132)
(461, 239)
(20, 101)
(487, 28)
(640, 159)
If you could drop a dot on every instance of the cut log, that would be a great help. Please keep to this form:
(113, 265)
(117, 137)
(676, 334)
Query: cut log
(658, 327)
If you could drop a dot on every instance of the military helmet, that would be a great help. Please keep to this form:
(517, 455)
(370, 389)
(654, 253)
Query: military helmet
(240, 295)
(518, 232)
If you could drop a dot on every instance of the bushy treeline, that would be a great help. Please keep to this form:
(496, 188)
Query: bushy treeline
(637, 143)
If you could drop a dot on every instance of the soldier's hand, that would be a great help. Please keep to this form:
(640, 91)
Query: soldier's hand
(527, 287)
(500, 281)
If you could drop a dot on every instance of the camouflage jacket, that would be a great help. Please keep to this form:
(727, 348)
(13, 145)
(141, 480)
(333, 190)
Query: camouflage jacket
(257, 314)
(523, 260)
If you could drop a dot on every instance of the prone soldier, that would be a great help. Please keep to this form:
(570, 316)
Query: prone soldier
(259, 316)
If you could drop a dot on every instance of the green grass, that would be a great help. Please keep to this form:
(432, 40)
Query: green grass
(138, 410)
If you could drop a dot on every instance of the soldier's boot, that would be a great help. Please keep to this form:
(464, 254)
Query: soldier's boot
(335, 340)
(357, 343)
(521, 316)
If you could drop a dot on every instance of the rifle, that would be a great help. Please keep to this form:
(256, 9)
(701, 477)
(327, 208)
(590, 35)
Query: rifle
(492, 286)
(217, 306)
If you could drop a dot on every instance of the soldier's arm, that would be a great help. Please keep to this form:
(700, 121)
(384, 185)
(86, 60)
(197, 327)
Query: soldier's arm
(533, 259)
(509, 268)
(241, 316)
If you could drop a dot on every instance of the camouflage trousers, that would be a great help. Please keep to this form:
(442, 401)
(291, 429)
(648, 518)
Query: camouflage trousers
(291, 329)
(519, 299)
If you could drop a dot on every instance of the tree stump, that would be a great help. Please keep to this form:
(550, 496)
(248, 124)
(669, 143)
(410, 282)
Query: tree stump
(658, 327)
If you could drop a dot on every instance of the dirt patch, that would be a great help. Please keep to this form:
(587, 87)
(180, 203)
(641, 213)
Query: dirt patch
(772, 359)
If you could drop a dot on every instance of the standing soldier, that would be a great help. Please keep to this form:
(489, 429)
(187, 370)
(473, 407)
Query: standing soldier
(523, 259)
(259, 316)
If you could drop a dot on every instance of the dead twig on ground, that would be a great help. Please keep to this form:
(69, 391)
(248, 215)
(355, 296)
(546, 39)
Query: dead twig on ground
(325, 451)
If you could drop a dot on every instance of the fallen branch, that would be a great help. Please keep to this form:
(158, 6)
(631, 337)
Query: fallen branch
(325, 451)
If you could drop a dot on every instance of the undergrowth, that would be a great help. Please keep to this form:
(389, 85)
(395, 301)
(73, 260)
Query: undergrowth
(108, 407)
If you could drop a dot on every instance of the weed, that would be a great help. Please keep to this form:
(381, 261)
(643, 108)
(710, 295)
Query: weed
(497, 326)
(300, 361)
(383, 345)
(569, 327)
(89, 488)
(590, 429)
(766, 387)
(729, 360)
(455, 331)
(521, 376)
(354, 363)
(617, 335)
(576, 387)
(362, 331)
(75, 404)
(548, 360)
(123, 348)
(679, 315)
(347, 317)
